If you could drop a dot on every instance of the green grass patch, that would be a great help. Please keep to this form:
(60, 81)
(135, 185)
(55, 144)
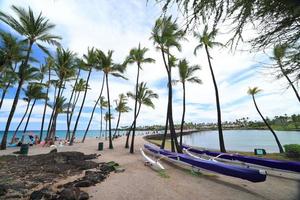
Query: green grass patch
(163, 174)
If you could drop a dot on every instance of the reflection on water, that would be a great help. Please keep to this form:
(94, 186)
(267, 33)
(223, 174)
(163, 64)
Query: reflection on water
(242, 140)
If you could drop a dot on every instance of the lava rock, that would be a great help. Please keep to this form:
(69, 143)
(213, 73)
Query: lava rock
(83, 196)
(83, 183)
(71, 193)
(43, 194)
(3, 190)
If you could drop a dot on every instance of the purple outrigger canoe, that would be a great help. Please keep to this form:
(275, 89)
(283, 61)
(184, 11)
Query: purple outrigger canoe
(275, 164)
(252, 175)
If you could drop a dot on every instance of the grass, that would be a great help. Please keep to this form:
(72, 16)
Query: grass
(163, 174)
(275, 156)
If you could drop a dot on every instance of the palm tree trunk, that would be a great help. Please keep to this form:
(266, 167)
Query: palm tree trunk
(100, 121)
(81, 107)
(135, 107)
(221, 138)
(183, 113)
(94, 108)
(45, 106)
(105, 129)
(119, 117)
(4, 93)
(11, 114)
(71, 98)
(109, 115)
(269, 127)
(131, 127)
(68, 135)
(29, 115)
(289, 80)
(166, 131)
(19, 125)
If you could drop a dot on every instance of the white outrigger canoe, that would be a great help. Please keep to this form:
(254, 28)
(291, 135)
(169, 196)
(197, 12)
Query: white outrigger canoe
(150, 162)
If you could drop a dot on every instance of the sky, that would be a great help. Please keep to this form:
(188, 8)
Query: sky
(121, 25)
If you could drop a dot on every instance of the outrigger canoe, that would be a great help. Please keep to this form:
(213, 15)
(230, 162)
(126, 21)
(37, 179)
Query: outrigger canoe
(252, 175)
(270, 163)
(153, 163)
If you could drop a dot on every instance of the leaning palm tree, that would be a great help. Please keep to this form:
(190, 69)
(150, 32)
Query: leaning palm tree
(8, 79)
(114, 69)
(25, 74)
(166, 35)
(121, 107)
(35, 92)
(137, 55)
(144, 97)
(186, 74)
(206, 40)
(253, 92)
(103, 104)
(279, 53)
(89, 62)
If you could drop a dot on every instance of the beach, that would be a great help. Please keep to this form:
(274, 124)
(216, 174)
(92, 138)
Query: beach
(141, 182)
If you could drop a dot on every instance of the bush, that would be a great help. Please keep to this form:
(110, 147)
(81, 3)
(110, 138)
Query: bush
(292, 150)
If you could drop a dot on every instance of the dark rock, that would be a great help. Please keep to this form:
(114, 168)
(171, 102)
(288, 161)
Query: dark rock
(3, 190)
(83, 183)
(43, 194)
(83, 196)
(71, 193)
(53, 151)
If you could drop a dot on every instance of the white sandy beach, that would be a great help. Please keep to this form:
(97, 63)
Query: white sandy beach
(141, 182)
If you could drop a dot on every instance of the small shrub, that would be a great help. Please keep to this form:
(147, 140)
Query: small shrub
(292, 150)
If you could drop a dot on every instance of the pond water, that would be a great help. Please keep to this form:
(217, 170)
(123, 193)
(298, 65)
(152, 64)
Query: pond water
(242, 140)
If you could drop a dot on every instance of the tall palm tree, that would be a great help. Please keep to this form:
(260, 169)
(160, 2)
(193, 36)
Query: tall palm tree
(137, 55)
(279, 53)
(34, 29)
(253, 92)
(103, 104)
(107, 117)
(64, 64)
(35, 92)
(121, 107)
(166, 35)
(186, 74)
(25, 74)
(206, 39)
(114, 69)
(89, 62)
(144, 97)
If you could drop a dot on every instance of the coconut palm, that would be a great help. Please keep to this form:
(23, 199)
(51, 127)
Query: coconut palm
(89, 62)
(103, 104)
(114, 69)
(8, 79)
(144, 97)
(206, 40)
(60, 107)
(253, 92)
(137, 55)
(34, 92)
(121, 107)
(186, 74)
(279, 53)
(166, 35)
(25, 74)
(64, 66)
(107, 117)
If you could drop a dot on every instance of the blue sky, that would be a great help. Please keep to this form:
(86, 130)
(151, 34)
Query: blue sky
(120, 26)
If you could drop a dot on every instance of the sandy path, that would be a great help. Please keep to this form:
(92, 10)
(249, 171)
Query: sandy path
(141, 182)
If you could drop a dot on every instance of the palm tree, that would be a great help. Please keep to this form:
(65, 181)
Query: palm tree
(144, 97)
(103, 104)
(34, 29)
(48, 66)
(89, 62)
(114, 69)
(64, 64)
(60, 107)
(8, 79)
(167, 35)
(137, 55)
(24, 74)
(34, 92)
(253, 92)
(207, 40)
(279, 53)
(107, 117)
(121, 107)
(186, 74)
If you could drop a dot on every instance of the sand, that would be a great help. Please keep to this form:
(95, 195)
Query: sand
(141, 182)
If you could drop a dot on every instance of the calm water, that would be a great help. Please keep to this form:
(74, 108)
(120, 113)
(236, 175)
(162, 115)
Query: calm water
(242, 140)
